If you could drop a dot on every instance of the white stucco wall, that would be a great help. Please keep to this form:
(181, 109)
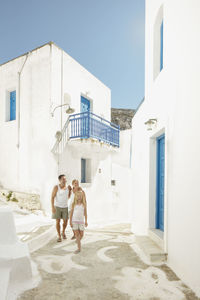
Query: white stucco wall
(76, 81)
(24, 168)
(123, 155)
(51, 77)
(172, 98)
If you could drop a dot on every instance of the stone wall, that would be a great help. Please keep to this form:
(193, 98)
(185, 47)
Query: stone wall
(23, 200)
(122, 117)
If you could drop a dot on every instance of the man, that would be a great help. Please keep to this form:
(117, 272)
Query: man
(59, 202)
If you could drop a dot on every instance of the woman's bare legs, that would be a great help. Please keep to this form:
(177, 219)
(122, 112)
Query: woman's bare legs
(81, 234)
(78, 239)
(73, 235)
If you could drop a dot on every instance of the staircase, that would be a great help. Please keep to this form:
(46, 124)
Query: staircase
(61, 139)
(151, 250)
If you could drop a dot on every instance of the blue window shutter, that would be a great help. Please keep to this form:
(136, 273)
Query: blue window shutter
(12, 105)
(161, 46)
(83, 170)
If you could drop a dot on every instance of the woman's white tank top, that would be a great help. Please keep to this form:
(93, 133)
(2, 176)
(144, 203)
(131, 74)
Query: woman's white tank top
(61, 199)
(78, 214)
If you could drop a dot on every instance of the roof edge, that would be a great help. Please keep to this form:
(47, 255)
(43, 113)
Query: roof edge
(53, 43)
(49, 43)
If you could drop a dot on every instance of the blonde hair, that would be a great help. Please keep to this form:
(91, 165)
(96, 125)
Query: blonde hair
(79, 195)
(74, 180)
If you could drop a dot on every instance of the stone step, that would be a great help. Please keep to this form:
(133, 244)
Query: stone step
(42, 239)
(154, 253)
(4, 278)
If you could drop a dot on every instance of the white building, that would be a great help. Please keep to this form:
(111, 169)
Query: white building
(165, 161)
(31, 158)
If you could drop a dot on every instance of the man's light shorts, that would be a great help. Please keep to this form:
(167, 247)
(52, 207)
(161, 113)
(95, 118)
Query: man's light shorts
(61, 213)
(76, 226)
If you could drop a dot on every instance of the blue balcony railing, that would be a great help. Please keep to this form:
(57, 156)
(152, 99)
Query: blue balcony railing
(88, 125)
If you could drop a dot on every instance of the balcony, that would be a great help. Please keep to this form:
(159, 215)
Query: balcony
(89, 125)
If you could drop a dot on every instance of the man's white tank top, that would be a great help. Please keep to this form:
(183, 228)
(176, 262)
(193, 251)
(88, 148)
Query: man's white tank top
(61, 199)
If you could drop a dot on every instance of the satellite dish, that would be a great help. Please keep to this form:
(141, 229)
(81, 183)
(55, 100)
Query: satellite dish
(67, 98)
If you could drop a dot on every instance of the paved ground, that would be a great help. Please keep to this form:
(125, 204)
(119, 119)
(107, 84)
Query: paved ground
(109, 267)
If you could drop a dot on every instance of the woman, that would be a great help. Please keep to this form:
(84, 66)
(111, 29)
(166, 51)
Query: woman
(75, 188)
(77, 215)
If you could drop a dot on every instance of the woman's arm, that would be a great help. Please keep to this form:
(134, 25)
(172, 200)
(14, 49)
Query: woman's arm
(71, 214)
(85, 214)
(84, 197)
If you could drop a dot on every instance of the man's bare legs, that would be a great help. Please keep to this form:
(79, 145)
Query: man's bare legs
(58, 229)
(64, 227)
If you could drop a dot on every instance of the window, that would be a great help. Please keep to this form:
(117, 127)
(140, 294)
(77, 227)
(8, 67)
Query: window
(11, 106)
(113, 182)
(85, 170)
(158, 44)
(161, 46)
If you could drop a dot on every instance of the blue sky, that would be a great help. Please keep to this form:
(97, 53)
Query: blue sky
(105, 36)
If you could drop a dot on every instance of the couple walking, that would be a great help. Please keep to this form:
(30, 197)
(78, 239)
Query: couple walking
(76, 210)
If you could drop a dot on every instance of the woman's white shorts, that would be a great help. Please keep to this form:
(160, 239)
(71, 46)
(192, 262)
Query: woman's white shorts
(76, 226)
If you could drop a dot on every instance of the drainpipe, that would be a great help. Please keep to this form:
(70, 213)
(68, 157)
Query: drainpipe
(61, 101)
(19, 95)
(18, 118)
(61, 124)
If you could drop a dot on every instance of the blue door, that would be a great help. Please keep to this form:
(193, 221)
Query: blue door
(85, 107)
(160, 182)
(13, 105)
(85, 104)
(83, 170)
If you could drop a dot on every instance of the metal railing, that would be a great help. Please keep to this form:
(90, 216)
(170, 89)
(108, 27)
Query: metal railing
(87, 124)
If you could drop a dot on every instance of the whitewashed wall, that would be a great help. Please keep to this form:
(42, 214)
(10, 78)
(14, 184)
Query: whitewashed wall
(173, 98)
(123, 155)
(76, 81)
(51, 77)
(48, 74)
(24, 167)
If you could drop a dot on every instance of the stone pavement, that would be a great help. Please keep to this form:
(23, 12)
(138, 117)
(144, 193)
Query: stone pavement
(110, 266)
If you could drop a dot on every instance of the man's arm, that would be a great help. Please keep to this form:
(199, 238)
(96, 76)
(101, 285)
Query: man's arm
(53, 195)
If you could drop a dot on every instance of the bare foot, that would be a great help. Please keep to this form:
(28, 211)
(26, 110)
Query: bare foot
(77, 251)
(73, 237)
(64, 236)
(59, 239)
